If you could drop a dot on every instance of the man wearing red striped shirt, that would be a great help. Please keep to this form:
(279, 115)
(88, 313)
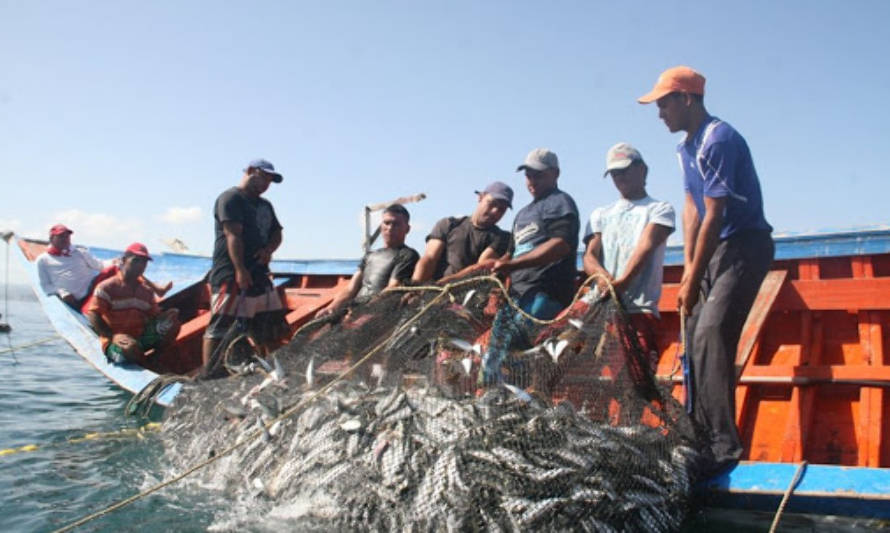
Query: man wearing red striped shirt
(125, 313)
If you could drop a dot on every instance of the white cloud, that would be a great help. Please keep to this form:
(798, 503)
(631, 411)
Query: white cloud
(181, 215)
(10, 224)
(99, 229)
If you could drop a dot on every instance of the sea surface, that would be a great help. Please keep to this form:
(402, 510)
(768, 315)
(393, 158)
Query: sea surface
(50, 397)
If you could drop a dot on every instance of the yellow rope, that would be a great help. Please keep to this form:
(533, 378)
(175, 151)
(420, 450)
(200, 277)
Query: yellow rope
(126, 432)
(443, 291)
(35, 343)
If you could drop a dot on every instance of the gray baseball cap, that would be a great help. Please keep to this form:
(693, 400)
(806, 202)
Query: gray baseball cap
(621, 156)
(539, 159)
(500, 191)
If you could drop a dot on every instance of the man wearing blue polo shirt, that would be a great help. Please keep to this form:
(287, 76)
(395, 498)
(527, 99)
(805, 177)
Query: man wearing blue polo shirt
(726, 254)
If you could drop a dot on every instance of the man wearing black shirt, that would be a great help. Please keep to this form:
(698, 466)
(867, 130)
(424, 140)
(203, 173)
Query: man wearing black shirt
(458, 243)
(542, 270)
(545, 237)
(247, 233)
(389, 266)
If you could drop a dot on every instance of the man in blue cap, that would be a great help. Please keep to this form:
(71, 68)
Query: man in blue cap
(457, 244)
(247, 234)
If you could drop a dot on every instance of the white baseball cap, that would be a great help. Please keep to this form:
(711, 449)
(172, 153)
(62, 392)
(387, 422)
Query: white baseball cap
(621, 156)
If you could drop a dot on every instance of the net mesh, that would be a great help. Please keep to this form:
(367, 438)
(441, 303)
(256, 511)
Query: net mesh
(447, 409)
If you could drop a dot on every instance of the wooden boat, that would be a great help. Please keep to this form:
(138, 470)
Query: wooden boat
(813, 362)
(303, 295)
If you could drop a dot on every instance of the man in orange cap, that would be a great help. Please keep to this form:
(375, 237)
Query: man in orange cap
(727, 251)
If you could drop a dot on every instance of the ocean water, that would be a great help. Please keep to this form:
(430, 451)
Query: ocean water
(49, 396)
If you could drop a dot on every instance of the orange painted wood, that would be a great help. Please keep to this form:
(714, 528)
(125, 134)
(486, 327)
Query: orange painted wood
(791, 444)
(822, 372)
(193, 327)
(862, 267)
(827, 294)
(763, 304)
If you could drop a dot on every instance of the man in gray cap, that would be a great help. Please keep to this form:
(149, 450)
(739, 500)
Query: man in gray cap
(626, 241)
(457, 244)
(542, 270)
(545, 236)
(247, 234)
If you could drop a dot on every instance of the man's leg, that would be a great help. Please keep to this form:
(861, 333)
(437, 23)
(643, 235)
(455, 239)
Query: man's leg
(728, 291)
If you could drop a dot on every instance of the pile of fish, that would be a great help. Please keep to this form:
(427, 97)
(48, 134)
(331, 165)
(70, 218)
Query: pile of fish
(388, 458)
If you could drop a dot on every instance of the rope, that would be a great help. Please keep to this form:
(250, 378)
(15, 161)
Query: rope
(787, 496)
(6, 285)
(443, 291)
(28, 345)
(126, 432)
(141, 402)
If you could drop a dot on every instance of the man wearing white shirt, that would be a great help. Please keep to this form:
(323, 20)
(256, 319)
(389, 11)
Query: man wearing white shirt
(626, 242)
(71, 273)
(66, 271)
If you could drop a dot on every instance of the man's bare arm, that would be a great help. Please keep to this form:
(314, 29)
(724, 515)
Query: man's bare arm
(653, 236)
(708, 237)
(235, 246)
(691, 225)
(344, 296)
(549, 251)
(99, 325)
(426, 265)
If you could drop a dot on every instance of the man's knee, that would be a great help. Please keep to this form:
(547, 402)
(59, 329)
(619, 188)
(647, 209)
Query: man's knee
(128, 346)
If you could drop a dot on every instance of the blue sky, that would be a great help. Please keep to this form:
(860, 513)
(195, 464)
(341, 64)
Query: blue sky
(125, 120)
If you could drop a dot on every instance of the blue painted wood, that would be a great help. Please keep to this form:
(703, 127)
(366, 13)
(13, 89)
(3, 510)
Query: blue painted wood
(75, 329)
(828, 243)
(823, 489)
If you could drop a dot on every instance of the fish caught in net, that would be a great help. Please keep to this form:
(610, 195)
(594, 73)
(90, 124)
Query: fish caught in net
(447, 409)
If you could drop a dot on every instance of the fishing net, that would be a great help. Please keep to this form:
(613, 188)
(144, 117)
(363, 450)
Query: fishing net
(432, 409)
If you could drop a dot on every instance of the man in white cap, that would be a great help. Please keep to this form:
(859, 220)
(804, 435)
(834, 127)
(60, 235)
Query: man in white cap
(457, 244)
(247, 234)
(626, 241)
(542, 269)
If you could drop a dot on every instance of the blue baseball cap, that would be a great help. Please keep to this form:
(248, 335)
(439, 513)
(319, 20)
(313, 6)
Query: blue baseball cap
(266, 167)
(499, 191)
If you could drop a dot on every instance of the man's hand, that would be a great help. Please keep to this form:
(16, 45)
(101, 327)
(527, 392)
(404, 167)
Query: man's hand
(243, 278)
(263, 256)
(687, 296)
(69, 299)
(602, 283)
(503, 267)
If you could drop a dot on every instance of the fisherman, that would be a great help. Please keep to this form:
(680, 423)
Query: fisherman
(125, 312)
(727, 251)
(247, 234)
(626, 241)
(386, 267)
(542, 268)
(71, 273)
(457, 244)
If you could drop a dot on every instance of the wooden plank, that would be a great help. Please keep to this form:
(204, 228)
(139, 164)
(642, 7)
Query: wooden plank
(823, 372)
(823, 294)
(763, 303)
(798, 416)
(862, 267)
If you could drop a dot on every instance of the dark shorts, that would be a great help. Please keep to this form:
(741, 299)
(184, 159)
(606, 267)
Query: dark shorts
(259, 311)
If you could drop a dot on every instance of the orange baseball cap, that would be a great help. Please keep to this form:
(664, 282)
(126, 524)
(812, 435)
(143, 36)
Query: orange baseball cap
(676, 79)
